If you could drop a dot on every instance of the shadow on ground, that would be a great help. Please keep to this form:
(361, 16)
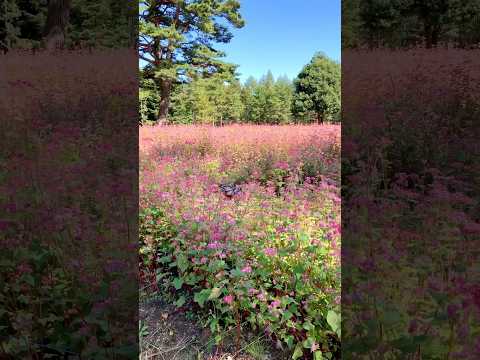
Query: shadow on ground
(166, 334)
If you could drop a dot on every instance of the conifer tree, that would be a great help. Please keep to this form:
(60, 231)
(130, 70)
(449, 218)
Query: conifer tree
(177, 38)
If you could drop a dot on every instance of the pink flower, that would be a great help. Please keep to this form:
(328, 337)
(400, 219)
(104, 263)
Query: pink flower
(270, 251)
(274, 304)
(24, 269)
(282, 165)
(314, 347)
(252, 291)
(4, 224)
(261, 297)
(228, 299)
(471, 228)
(213, 245)
(247, 269)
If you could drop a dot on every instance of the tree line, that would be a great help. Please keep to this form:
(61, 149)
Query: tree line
(407, 23)
(219, 99)
(222, 100)
(37, 24)
(185, 80)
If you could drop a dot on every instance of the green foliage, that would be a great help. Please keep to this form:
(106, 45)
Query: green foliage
(267, 101)
(317, 90)
(22, 23)
(149, 100)
(42, 307)
(177, 38)
(207, 286)
(403, 23)
(93, 23)
(214, 100)
(104, 23)
(220, 99)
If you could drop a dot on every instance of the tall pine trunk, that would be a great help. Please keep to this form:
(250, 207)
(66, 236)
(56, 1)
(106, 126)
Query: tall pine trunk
(58, 17)
(165, 87)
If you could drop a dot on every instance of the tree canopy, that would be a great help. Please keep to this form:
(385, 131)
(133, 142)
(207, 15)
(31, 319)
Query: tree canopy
(317, 90)
(74, 23)
(222, 99)
(404, 23)
(177, 38)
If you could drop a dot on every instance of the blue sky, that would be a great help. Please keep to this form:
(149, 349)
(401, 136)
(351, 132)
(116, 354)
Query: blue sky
(283, 35)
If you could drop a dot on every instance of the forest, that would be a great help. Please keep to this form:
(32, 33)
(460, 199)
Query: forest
(83, 24)
(222, 99)
(410, 23)
(184, 79)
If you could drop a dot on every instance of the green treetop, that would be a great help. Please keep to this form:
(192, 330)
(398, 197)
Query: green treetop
(317, 89)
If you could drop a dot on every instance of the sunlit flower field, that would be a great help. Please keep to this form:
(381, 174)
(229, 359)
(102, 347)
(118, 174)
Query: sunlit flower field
(268, 255)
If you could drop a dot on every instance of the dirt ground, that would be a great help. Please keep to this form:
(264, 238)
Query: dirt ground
(166, 334)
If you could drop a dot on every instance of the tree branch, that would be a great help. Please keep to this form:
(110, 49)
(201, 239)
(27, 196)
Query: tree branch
(150, 61)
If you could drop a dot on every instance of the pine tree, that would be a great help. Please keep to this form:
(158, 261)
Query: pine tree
(177, 37)
(250, 108)
(214, 100)
(284, 94)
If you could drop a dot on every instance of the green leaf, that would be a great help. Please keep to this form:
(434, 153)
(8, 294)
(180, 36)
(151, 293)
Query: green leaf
(307, 325)
(237, 273)
(286, 315)
(334, 320)
(29, 279)
(182, 262)
(214, 294)
(308, 343)
(180, 302)
(193, 279)
(298, 352)
(177, 282)
(391, 318)
(289, 340)
(317, 355)
(202, 296)
(299, 269)
(213, 325)
(165, 259)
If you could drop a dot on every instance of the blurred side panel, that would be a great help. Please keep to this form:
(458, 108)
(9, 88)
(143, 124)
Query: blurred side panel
(410, 179)
(68, 179)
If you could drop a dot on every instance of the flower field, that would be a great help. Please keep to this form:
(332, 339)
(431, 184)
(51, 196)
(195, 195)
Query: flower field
(267, 256)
